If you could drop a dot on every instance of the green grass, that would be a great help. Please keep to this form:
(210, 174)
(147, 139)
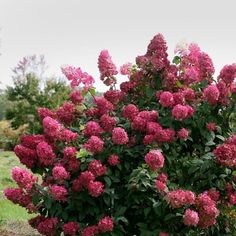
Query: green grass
(13, 218)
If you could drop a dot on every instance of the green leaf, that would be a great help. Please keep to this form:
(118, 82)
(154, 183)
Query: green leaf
(92, 91)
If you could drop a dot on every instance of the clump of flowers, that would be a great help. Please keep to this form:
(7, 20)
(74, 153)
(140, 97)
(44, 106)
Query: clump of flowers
(155, 157)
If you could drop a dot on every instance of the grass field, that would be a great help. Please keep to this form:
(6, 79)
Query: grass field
(13, 218)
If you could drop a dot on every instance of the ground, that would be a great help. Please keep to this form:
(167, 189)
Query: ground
(13, 218)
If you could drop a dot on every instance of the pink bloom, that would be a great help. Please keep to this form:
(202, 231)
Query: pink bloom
(205, 65)
(128, 86)
(179, 98)
(189, 94)
(86, 177)
(114, 96)
(106, 67)
(154, 160)
(66, 112)
(130, 111)
(126, 69)
(68, 136)
(228, 74)
(90, 231)
(119, 136)
(45, 153)
(60, 173)
(191, 217)
(48, 226)
(70, 228)
(105, 224)
(31, 141)
(226, 154)
(76, 76)
(26, 155)
(163, 234)
(211, 126)
(76, 97)
(166, 99)
(211, 94)
(153, 128)
(97, 168)
(51, 127)
(92, 128)
(95, 188)
(44, 112)
(191, 75)
(94, 144)
(179, 198)
(183, 133)
(58, 192)
(113, 160)
(23, 178)
(148, 139)
(160, 186)
(162, 177)
(107, 122)
(69, 152)
(17, 196)
(103, 105)
(180, 112)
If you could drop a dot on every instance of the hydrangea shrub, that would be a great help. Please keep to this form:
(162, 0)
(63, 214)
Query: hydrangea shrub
(155, 157)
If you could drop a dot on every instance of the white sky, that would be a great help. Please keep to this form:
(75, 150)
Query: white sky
(75, 31)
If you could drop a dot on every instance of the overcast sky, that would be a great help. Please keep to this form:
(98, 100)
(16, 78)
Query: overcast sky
(75, 31)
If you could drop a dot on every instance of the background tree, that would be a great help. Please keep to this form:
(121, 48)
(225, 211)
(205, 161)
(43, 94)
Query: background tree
(32, 90)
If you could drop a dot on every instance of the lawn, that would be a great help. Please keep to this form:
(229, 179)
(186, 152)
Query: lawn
(13, 218)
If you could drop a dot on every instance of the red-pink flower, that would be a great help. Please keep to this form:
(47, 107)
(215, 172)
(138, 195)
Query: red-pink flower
(48, 226)
(105, 224)
(211, 126)
(97, 168)
(191, 217)
(166, 99)
(106, 67)
(107, 122)
(183, 133)
(90, 231)
(92, 128)
(45, 153)
(51, 127)
(26, 155)
(154, 160)
(70, 228)
(68, 136)
(94, 144)
(60, 173)
(211, 94)
(114, 96)
(113, 160)
(66, 112)
(160, 186)
(23, 178)
(95, 188)
(58, 192)
(126, 69)
(76, 97)
(43, 112)
(130, 111)
(119, 136)
(180, 112)
(228, 74)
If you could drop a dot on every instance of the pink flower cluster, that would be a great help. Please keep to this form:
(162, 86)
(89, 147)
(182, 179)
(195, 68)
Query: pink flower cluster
(154, 159)
(119, 136)
(107, 68)
(76, 76)
(160, 183)
(180, 198)
(94, 144)
(226, 153)
(207, 210)
(23, 178)
(191, 217)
